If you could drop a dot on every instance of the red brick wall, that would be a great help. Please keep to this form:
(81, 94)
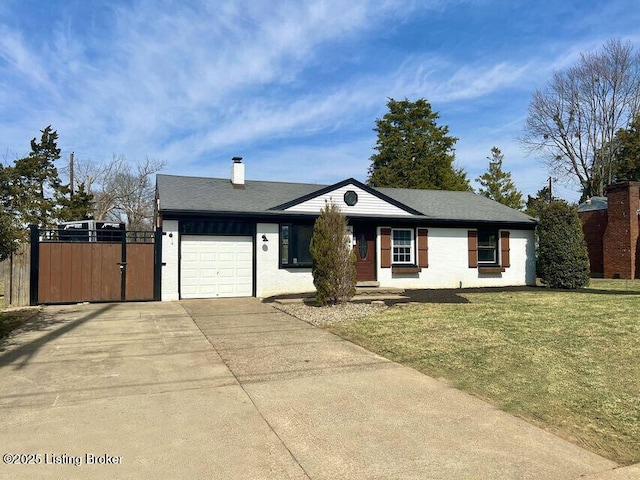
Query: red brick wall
(621, 235)
(594, 224)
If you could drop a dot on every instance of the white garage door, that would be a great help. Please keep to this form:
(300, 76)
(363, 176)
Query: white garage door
(216, 266)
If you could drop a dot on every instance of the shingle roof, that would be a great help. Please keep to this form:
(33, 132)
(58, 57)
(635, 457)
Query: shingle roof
(594, 203)
(198, 194)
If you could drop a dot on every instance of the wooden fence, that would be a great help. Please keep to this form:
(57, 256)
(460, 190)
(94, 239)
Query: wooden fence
(15, 272)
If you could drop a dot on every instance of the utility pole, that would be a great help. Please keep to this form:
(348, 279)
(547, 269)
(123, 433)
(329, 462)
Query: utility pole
(71, 173)
(550, 191)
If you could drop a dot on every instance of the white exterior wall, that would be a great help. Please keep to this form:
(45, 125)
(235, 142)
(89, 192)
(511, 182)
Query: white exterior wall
(449, 267)
(170, 273)
(367, 204)
(448, 264)
(270, 279)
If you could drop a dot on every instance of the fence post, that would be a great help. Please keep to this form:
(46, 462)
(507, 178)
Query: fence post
(9, 278)
(157, 264)
(123, 268)
(34, 265)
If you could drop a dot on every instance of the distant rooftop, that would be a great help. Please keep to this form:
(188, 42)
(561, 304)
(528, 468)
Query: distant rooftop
(594, 203)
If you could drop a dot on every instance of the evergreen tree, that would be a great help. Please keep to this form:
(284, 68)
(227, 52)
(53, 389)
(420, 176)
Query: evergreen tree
(10, 234)
(628, 152)
(334, 262)
(537, 203)
(32, 192)
(35, 181)
(563, 261)
(497, 184)
(76, 206)
(413, 151)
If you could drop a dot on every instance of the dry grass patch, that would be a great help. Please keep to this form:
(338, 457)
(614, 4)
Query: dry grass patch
(12, 318)
(569, 361)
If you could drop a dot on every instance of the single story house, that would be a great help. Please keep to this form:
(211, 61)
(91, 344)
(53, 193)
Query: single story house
(235, 237)
(611, 227)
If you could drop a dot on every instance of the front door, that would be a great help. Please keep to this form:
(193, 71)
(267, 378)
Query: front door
(365, 250)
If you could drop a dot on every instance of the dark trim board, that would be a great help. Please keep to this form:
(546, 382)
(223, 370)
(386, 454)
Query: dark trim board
(348, 181)
(285, 217)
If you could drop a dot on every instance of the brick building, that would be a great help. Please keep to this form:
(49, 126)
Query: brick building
(611, 230)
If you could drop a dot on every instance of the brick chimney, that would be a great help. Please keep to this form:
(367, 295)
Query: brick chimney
(621, 256)
(237, 172)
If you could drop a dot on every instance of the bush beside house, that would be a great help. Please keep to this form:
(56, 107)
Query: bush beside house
(334, 271)
(563, 261)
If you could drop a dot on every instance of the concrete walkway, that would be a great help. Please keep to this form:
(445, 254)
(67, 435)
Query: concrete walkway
(260, 395)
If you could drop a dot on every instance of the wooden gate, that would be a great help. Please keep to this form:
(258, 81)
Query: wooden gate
(123, 268)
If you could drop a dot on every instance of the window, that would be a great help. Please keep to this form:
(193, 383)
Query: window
(294, 245)
(487, 247)
(402, 246)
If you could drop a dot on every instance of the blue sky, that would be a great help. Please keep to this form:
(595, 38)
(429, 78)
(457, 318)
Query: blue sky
(293, 87)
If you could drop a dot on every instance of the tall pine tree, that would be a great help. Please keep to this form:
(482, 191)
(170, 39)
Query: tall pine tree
(10, 232)
(32, 192)
(35, 181)
(413, 151)
(497, 184)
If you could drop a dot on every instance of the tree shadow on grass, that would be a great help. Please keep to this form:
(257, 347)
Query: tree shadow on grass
(455, 295)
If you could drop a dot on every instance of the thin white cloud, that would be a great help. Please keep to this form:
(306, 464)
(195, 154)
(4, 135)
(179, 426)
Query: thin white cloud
(22, 62)
(185, 81)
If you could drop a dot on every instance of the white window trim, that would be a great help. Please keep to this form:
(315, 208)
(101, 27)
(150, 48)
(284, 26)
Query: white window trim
(496, 249)
(412, 260)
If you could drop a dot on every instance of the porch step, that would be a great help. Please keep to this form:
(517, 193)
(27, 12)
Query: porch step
(368, 283)
(377, 291)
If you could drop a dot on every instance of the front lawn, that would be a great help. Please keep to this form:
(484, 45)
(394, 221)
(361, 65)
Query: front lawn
(567, 361)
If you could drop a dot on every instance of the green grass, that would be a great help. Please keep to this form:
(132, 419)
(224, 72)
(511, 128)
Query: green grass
(567, 361)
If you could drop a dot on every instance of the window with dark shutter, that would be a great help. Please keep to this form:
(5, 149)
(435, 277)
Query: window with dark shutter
(423, 248)
(472, 240)
(504, 250)
(385, 247)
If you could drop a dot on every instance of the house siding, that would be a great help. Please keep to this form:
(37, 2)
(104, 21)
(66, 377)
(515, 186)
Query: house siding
(367, 204)
(170, 260)
(447, 268)
(271, 279)
(449, 263)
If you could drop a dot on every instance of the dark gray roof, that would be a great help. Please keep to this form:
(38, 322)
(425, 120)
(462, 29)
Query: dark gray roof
(200, 194)
(594, 203)
(444, 204)
(197, 194)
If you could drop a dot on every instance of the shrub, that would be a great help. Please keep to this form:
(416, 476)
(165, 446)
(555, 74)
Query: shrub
(334, 263)
(563, 261)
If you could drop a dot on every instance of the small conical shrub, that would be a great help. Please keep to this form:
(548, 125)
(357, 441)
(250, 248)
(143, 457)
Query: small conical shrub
(334, 270)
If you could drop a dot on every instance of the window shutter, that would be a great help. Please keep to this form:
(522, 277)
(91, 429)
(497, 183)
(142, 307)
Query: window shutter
(504, 249)
(385, 247)
(472, 239)
(423, 247)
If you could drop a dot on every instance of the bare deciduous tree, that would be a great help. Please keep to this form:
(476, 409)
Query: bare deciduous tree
(573, 122)
(122, 192)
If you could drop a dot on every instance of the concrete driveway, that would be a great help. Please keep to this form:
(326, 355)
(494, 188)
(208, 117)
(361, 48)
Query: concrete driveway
(234, 389)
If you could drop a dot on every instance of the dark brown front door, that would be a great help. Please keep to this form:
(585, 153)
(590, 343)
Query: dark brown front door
(365, 250)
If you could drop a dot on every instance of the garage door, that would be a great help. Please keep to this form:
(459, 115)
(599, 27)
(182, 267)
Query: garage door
(215, 266)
